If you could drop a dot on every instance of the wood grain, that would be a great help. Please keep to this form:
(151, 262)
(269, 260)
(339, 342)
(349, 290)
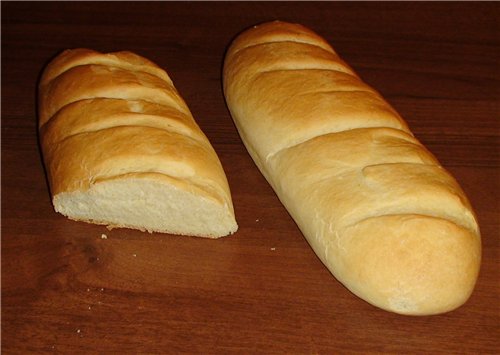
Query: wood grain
(67, 290)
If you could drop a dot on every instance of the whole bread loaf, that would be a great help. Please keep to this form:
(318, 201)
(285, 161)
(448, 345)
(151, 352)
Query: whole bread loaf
(121, 148)
(385, 218)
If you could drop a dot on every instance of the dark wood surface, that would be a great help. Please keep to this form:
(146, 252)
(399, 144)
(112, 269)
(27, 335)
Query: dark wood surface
(66, 290)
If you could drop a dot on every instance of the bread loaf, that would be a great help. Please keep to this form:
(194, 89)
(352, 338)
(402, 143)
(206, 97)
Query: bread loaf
(375, 205)
(121, 148)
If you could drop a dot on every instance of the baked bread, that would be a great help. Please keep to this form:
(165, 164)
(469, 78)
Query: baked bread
(121, 148)
(385, 218)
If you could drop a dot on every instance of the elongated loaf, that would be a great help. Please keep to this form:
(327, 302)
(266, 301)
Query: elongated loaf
(121, 148)
(377, 208)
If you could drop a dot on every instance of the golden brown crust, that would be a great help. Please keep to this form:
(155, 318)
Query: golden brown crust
(377, 208)
(319, 91)
(71, 58)
(278, 31)
(89, 115)
(99, 81)
(420, 265)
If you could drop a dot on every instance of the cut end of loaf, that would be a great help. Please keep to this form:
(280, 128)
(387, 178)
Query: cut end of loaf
(148, 205)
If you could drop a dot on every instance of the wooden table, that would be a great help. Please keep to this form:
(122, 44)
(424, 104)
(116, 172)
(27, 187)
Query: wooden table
(67, 290)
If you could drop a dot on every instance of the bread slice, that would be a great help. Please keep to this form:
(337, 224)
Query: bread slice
(121, 148)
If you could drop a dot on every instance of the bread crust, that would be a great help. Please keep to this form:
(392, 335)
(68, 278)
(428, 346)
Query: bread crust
(101, 81)
(71, 58)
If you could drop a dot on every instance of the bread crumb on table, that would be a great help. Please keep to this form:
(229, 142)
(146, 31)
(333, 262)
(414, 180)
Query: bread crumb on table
(104, 236)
